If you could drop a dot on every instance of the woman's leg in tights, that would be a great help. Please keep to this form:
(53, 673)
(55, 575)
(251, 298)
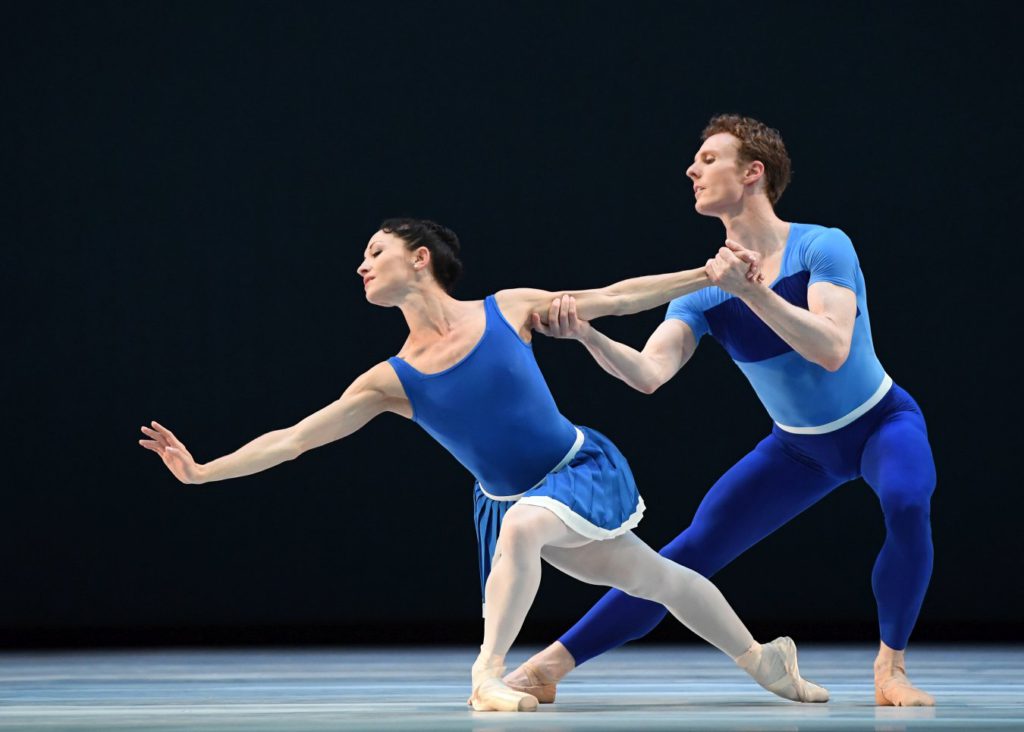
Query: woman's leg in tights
(515, 572)
(631, 566)
(508, 595)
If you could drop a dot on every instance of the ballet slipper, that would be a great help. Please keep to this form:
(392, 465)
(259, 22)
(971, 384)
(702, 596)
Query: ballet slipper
(892, 687)
(490, 694)
(530, 680)
(773, 665)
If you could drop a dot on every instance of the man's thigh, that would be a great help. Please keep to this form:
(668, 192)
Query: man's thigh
(763, 491)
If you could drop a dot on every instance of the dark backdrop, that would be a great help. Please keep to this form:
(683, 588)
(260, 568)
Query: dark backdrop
(188, 190)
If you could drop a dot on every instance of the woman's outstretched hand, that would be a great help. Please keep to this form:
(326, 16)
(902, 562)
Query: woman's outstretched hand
(171, 450)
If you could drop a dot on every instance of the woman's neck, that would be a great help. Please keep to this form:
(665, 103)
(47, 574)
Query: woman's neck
(430, 312)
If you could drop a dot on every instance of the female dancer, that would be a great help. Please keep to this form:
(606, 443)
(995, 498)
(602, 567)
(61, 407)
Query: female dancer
(467, 375)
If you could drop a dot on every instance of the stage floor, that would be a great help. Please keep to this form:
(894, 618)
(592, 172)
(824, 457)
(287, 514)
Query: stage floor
(641, 688)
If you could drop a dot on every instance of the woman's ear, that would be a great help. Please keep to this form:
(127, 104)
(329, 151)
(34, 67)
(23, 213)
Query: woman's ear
(420, 257)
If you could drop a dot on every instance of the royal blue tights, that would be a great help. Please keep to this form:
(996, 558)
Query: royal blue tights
(784, 475)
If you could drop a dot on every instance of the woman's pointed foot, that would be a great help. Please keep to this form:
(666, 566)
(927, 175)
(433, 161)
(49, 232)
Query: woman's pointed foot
(531, 680)
(774, 666)
(491, 694)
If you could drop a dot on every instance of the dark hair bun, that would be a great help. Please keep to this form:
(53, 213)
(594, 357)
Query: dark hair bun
(440, 240)
(444, 233)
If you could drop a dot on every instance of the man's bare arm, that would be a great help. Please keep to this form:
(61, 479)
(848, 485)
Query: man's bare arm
(667, 350)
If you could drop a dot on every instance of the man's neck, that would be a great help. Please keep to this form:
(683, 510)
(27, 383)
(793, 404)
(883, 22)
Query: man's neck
(756, 227)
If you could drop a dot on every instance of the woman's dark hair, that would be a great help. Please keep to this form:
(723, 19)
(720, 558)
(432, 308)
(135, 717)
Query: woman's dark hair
(440, 240)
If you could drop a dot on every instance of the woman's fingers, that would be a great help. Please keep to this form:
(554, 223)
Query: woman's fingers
(164, 431)
(175, 457)
(152, 445)
(169, 436)
(153, 434)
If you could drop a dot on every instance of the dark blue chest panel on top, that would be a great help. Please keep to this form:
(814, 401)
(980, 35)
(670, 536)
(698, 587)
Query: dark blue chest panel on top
(745, 336)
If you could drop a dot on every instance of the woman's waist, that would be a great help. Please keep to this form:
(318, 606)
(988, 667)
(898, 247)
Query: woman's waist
(526, 472)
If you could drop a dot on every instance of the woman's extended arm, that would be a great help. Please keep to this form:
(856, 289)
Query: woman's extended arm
(621, 298)
(378, 390)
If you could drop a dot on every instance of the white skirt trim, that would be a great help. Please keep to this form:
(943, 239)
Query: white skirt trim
(579, 524)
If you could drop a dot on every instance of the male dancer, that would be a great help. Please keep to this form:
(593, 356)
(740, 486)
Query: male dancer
(803, 338)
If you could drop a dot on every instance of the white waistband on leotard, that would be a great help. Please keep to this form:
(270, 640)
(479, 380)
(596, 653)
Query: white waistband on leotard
(874, 399)
(565, 461)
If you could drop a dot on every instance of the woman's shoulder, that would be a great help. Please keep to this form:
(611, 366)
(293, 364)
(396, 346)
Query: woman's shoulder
(382, 377)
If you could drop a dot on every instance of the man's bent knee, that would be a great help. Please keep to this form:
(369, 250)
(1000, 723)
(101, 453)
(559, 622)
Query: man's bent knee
(907, 509)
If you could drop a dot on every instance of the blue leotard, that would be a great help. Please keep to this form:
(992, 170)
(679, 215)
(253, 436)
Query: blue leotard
(492, 410)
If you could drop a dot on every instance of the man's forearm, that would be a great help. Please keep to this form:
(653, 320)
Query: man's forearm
(815, 337)
(621, 361)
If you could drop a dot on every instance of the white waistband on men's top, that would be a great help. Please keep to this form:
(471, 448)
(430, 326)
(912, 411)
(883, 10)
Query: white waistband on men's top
(565, 461)
(864, 408)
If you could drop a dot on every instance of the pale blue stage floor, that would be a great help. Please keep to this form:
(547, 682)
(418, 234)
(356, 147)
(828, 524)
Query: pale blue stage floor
(640, 688)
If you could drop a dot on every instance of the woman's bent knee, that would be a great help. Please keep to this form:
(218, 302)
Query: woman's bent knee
(527, 529)
(660, 581)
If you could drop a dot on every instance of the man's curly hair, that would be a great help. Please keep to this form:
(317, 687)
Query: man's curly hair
(760, 142)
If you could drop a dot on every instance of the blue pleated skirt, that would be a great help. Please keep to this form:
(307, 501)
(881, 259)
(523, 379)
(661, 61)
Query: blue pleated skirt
(594, 495)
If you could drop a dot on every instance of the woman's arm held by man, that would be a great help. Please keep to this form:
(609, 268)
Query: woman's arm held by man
(625, 297)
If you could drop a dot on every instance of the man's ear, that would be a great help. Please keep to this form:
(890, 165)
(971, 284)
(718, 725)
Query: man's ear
(753, 172)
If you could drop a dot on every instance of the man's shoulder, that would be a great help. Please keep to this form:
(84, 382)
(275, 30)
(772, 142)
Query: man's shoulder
(814, 243)
(805, 235)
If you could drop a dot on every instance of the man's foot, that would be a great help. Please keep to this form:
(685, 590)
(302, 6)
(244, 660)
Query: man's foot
(773, 665)
(490, 694)
(892, 687)
(540, 675)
